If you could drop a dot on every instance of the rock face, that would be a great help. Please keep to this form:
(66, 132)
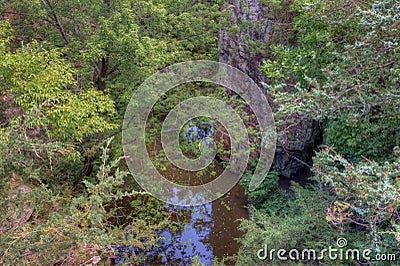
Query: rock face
(295, 147)
(249, 28)
(245, 45)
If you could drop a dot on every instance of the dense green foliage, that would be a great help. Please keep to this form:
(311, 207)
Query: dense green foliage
(117, 44)
(68, 69)
(299, 224)
(344, 72)
(71, 229)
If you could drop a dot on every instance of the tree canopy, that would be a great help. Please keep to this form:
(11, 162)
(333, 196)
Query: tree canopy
(67, 72)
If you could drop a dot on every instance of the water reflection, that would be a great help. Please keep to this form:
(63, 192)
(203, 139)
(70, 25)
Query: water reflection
(209, 232)
(202, 131)
(178, 248)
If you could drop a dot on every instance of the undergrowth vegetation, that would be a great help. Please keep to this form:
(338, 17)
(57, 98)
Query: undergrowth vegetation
(68, 69)
(343, 71)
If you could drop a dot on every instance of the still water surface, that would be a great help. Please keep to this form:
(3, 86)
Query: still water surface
(211, 229)
(209, 233)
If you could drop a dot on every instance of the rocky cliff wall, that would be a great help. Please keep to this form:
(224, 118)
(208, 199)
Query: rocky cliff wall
(245, 45)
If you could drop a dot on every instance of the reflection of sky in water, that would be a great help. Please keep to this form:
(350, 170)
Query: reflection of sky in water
(195, 132)
(192, 238)
(180, 247)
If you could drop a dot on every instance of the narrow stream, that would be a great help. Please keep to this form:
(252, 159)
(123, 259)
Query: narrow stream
(210, 230)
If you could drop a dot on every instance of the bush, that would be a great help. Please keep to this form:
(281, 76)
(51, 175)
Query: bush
(301, 224)
(39, 226)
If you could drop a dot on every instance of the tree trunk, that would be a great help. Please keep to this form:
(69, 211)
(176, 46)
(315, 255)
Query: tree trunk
(100, 73)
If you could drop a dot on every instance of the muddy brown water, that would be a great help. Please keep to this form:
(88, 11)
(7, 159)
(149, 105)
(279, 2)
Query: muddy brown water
(209, 231)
